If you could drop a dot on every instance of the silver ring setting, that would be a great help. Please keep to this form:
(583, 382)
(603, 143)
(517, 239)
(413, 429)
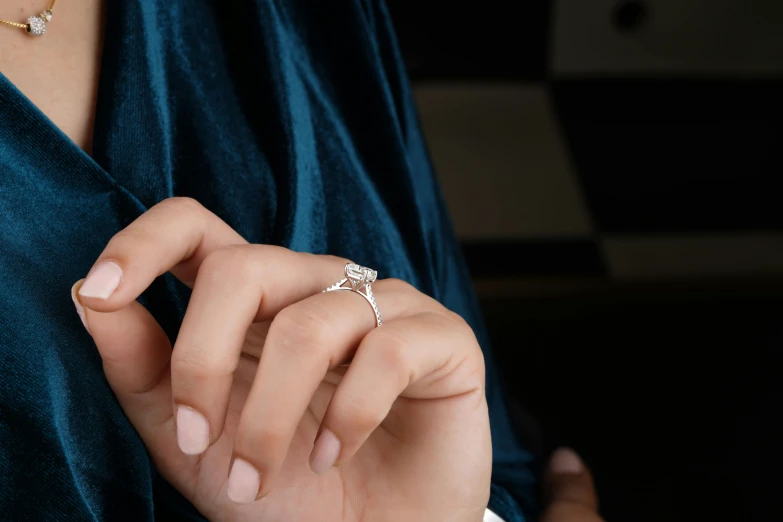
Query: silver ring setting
(359, 279)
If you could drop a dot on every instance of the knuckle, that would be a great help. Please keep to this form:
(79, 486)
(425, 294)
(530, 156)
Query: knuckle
(465, 336)
(460, 325)
(234, 261)
(147, 234)
(456, 318)
(129, 240)
(393, 348)
(181, 205)
(302, 330)
(451, 322)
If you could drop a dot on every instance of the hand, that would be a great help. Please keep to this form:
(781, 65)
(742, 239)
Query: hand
(231, 414)
(569, 489)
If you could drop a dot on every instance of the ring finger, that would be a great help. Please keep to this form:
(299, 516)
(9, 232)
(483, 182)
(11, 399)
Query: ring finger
(235, 287)
(304, 341)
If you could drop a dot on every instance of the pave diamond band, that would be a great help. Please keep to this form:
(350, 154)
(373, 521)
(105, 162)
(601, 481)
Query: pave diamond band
(359, 279)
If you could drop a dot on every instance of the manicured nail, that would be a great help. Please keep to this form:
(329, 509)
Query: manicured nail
(79, 307)
(102, 281)
(564, 462)
(325, 452)
(192, 431)
(243, 482)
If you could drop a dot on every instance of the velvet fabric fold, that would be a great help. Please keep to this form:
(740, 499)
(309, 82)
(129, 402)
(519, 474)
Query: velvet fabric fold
(295, 123)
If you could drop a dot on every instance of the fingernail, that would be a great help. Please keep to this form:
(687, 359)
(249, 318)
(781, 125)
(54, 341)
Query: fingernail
(325, 452)
(243, 482)
(79, 307)
(564, 461)
(192, 431)
(102, 281)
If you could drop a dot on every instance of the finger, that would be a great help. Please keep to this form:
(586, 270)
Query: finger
(569, 489)
(235, 287)
(303, 342)
(135, 353)
(566, 512)
(175, 235)
(432, 355)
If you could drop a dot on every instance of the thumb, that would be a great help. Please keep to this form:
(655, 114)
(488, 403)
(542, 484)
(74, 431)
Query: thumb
(136, 353)
(569, 490)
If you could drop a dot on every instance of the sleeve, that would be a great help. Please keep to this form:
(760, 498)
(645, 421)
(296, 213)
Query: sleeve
(490, 516)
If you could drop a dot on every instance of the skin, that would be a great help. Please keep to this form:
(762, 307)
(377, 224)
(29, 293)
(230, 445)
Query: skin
(259, 355)
(412, 422)
(570, 495)
(67, 56)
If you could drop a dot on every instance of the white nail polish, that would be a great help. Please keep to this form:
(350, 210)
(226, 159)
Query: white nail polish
(192, 431)
(79, 307)
(326, 451)
(102, 281)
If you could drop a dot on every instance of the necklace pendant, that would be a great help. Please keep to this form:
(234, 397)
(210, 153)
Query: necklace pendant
(36, 25)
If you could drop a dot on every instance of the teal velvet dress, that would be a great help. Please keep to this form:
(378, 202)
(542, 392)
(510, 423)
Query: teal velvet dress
(294, 122)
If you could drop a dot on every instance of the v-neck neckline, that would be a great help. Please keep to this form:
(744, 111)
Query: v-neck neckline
(51, 132)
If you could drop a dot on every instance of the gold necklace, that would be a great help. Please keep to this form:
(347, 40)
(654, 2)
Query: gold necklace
(35, 25)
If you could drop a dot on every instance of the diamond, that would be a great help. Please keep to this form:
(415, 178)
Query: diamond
(47, 15)
(359, 276)
(36, 26)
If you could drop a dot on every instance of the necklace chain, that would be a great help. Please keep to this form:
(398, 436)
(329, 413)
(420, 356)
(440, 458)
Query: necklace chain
(36, 25)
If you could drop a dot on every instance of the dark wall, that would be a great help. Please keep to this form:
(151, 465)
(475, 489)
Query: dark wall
(659, 364)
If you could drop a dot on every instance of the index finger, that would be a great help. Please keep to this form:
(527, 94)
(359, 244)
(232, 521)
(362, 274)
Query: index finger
(174, 236)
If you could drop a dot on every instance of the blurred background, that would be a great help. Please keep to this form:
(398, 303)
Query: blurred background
(612, 169)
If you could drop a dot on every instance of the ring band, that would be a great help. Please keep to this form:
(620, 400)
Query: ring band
(360, 280)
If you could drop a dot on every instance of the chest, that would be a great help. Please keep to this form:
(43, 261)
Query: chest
(58, 71)
(287, 144)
